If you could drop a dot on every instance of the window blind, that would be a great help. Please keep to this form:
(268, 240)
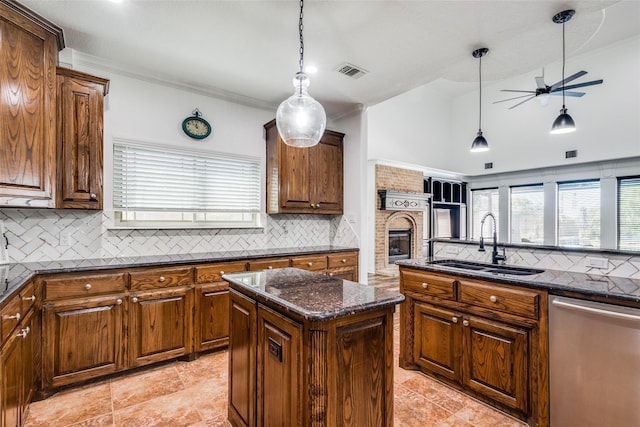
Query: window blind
(579, 213)
(482, 202)
(160, 179)
(527, 214)
(629, 213)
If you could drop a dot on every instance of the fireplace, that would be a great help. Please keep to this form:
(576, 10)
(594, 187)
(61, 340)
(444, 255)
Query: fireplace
(399, 245)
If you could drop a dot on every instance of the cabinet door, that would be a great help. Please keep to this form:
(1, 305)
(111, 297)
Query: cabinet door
(160, 325)
(11, 366)
(346, 273)
(496, 362)
(242, 361)
(295, 184)
(327, 175)
(82, 339)
(80, 118)
(437, 340)
(212, 317)
(279, 367)
(28, 57)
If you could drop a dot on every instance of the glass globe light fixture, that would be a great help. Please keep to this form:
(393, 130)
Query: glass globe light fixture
(300, 119)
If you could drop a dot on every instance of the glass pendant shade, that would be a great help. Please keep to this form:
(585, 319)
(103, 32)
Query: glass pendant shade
(479, 144)
(563, 123)
(300, 119)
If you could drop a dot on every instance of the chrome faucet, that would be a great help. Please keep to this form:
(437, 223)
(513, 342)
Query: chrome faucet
(495, 257)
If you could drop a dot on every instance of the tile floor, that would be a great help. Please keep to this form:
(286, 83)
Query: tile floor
(195, 394)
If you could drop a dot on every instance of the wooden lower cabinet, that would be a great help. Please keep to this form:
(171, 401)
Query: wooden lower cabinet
(83, 339)
(437, 344)
(212, 317)
(159, 325)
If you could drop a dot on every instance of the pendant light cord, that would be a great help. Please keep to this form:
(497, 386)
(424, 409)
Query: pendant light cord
(480, 99)
(563, 49)
(300, 27)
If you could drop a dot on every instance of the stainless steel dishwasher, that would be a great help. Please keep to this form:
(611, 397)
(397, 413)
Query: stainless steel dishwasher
(594, 364)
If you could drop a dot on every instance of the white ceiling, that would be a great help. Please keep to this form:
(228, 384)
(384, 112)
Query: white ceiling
(248, 50)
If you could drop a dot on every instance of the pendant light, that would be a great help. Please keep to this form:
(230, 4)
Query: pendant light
(563, 123)
(480, 143)
(300, 118)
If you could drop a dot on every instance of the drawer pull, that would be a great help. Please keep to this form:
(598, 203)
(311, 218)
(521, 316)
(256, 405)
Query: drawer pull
(493, 298)
(425, 285)
(87, 286)
(221, 272)
(270, 267)
(330, 274)
(17, 316)
(119, 301)
(343, 261)
(24, 332)
(93, 196)
(465, 323)
(309, 264)
(161, 279)
(454, 319)
(134, 299)
(31, 298)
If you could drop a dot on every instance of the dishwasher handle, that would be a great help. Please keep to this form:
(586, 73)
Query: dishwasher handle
(614, 314)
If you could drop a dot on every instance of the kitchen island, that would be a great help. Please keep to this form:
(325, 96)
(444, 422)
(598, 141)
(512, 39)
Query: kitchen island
(306, 349)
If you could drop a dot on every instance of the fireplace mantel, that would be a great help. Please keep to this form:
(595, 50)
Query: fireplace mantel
(391, 200)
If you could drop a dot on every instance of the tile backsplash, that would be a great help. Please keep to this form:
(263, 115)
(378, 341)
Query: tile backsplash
(55, 234)
(619, 265)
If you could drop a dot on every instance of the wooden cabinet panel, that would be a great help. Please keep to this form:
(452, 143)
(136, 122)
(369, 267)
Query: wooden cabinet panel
(213, 272)
(268, 264)
(327, 173)
(83, 339)
(342, 259)
(160, 325)
(79, 135)
(346, 273)
(28, 297)
(11, 367)
(83, 285)
(496, 362)
(161, 278)
(437, 340)
(428, 284)
(242, 361)
(296, 192)
(516, 301)
(28, 57)
(212, 316)
(11, 314)
(312, 263)
(279, 367)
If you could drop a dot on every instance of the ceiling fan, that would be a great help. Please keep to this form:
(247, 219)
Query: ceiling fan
(555, 89)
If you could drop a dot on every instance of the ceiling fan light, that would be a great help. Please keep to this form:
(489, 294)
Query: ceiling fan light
(479, 144)
(563, 124)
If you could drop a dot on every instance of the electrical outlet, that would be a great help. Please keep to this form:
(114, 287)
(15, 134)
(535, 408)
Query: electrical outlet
(64, 239)
(452, 250)
(597, 262)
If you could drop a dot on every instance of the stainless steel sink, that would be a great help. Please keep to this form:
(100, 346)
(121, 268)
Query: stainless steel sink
(487, 268)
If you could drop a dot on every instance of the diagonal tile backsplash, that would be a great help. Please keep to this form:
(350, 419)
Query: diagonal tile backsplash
(53, 234)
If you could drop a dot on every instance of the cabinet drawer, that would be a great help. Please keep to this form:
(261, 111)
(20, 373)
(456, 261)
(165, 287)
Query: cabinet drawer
(28, 297)
(312, 263)
(11, 315)
(213, 272)
(160, 278)
(495, 297)
(342, 260)
(85, 285)
(267, 264)
(430, 284)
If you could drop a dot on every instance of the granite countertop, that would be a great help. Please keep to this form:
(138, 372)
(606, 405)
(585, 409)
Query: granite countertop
(13, 276)
(554, 281)
(304, 295)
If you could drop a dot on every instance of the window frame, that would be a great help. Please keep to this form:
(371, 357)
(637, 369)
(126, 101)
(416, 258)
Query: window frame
(511, 187)
(578, 181)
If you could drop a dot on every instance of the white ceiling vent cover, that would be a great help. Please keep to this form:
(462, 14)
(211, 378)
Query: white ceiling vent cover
(351, 70)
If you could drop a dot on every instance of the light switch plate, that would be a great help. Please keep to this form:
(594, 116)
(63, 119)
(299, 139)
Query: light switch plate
(597, 262)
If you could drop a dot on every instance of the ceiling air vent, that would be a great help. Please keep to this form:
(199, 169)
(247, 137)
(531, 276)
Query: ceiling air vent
(351, 70)
(488, 165)
(570, 154)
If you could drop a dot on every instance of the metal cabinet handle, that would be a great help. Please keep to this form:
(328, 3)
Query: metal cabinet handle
(309, 264)
(93, 196)
(17, 316)
(425, 285)
(24, 332)
(465, 323)
(161, 279)
(330, 274)
(134, 299)
(119, 301)
(31, 298)
(87, 286)
(270, 267)
(221, 272)
(493, 298)
(454, 319)
(343, 260)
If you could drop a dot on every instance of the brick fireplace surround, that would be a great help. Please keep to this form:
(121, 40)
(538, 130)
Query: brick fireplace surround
(392, 178)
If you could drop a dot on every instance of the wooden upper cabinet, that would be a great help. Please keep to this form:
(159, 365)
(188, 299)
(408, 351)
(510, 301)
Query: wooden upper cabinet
(28, 57)
(80, 139)
(304, 180)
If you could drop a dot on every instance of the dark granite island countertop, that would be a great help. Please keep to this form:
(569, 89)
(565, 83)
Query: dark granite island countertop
(307, 349)
(308, 296)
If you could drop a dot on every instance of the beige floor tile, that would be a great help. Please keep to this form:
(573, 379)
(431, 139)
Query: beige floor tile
(173, 410)
(145, 385)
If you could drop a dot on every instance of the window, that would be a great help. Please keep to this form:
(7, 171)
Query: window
(482, 202)
(170, 188)
(527, 214)
(579, 213)
(628, 214)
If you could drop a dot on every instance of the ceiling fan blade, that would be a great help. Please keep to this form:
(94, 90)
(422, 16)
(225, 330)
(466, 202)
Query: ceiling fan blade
(568, 79)
(577, 85)
(511, 99)
(522, 102)
(522, 91)
(575, 94)
(540, 83)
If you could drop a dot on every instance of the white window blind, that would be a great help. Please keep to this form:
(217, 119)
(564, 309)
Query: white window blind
(169, 180)
(579, 213)
(482, 202)
(527, 214)
(629, 213)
